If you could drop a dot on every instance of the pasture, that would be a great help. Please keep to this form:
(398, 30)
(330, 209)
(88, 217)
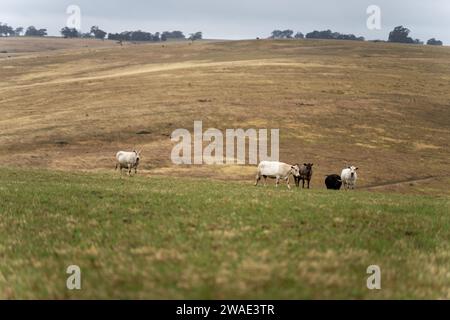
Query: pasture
(193, 238)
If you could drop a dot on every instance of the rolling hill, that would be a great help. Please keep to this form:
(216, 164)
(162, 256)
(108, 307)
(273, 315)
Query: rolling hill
(383, 107)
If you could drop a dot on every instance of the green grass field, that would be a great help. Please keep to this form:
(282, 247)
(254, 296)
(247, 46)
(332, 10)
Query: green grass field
(185, 238)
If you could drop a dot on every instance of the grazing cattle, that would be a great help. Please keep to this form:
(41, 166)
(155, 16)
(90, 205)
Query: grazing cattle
(128, 160)
(305, 174)
(349, 177)
(333, 182)
(276, 170)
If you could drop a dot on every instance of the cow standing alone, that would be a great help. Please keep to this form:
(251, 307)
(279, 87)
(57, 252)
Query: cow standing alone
(349, 177)
(128, 160)
(276, 170)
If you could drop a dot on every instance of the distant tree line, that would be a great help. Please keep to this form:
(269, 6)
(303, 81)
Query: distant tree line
(6, 31)
(169, 35)
(326, 34)
(137, 35)
(147, 36)
(31, 31)
(400, 34)
(434, 42)
(196, 36)
(97, 33)
(282, 34)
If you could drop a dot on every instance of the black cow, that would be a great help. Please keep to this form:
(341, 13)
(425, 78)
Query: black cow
(333, 181)
(305, 174)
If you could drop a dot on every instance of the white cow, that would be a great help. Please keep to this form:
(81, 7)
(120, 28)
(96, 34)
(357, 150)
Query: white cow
(128, 160)
(349, 177)
(276, 170)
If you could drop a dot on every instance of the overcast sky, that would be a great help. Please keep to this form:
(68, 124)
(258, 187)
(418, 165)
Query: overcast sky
(236, 19)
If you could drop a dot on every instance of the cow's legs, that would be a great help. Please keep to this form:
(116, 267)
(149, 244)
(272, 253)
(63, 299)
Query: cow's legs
(129, 170)
(265, 181)
(258, 177)
(308, 183)
(287, 180)
(277, 182)
(303, 183)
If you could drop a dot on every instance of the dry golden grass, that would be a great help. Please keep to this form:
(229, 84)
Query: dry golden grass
(26, 45)
(382, 107)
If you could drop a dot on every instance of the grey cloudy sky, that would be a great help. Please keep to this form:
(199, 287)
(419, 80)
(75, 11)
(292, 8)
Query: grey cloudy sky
(236, 19)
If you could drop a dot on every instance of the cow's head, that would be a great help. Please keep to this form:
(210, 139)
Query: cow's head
(138, 155)
(295, 169)
(352, 170)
